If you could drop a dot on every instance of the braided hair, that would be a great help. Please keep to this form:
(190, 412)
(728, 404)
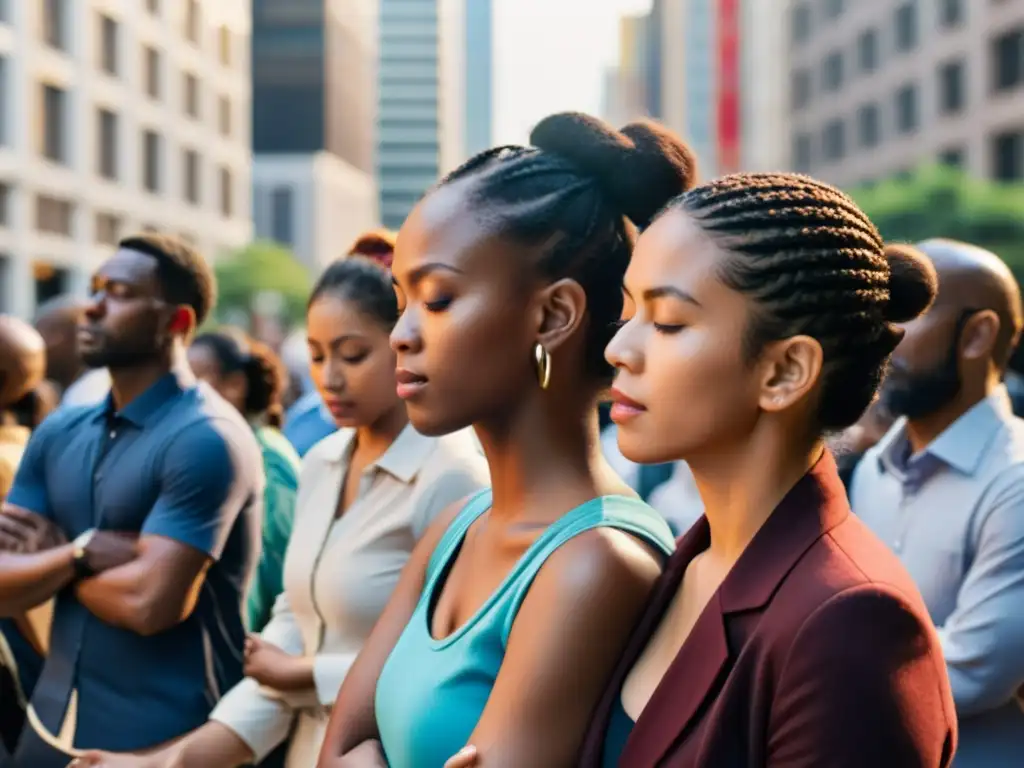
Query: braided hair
(814, 264)
(573, 194)
(265, 376)
(363, 280)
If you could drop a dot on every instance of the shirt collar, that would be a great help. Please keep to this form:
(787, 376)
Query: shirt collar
(962, 445)
(403, 459)
(146, 407)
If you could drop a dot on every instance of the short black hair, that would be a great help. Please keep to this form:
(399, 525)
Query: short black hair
(265, 375)
(571, 193)
(184, 275)
(361, 280)
(814, 264)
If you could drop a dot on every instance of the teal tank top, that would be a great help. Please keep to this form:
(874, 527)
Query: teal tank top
(431, 693)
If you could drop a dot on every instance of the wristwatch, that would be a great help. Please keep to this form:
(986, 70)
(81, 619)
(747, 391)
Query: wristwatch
(79, 546)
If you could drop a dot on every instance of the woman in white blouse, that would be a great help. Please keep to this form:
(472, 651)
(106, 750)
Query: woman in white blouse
(366, 495)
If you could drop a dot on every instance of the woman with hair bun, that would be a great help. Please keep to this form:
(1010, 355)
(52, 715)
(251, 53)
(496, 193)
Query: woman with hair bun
(762, 312)
(249, 375)
(517, 603)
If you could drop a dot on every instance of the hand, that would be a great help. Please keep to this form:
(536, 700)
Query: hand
(110, 549)
(369, 754)
(467, 757)
(270, 666)
(26, 532)
(98, 759)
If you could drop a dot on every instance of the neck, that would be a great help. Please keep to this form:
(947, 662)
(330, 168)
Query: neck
(128, 383)
(545, 459)
(741, 485)
(923, 431)
(74, 376)
(373, 440)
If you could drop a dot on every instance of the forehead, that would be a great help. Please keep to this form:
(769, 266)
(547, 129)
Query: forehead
(675, 251)
(132, 267)
(332, 316)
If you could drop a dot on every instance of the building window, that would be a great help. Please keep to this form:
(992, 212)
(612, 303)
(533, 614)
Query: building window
(1008, 60)
(5, 202)
(192, 21)
(869, 126)
(906, 109)
(951, 13)
(832, 72)
(3, 100)
(833, 141)
(191, 175)
(108, 45)
(833, 9)
(226, 197)
(906, 26)
(106, 154)
(224, 115)
(281, 228)
(800, 22)
(867, 50)
(952, 158)
(55, 23)
(951, 88)
(153, 6)
(191, 95)
(108, 228)
(1008, 156)
(151, 161)
(54, 144)
(151, 63)
(224, 45)
(800, 96)
(53, 215)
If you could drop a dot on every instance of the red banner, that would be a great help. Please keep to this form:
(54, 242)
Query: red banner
(729, 77)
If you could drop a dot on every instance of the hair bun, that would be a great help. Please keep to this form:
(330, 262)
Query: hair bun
(912, 282)
(640, 168)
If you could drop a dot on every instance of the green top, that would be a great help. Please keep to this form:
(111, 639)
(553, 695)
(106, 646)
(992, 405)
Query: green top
(281, 465)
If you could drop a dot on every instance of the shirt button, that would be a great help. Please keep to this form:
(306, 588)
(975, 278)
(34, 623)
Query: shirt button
(897, 545)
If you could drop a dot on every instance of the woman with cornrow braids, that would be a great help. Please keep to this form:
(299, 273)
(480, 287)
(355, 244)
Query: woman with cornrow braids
(762, 311)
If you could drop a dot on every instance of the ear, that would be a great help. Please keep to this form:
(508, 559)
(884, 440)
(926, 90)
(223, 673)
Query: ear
(791, 369)
(561, 309)
(183, 321)
(978, 339)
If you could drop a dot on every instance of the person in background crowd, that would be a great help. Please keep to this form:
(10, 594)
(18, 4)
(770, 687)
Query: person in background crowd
(783, 633)
(249, 375)
(159, 491)
(945, 489)
(852, 443)
(308, 421)
(22, 367)
(366, 495)
(57, 321)
(516, 604)
(1015, 380)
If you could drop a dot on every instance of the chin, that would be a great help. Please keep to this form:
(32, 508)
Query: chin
(641, 451)
(433, 424)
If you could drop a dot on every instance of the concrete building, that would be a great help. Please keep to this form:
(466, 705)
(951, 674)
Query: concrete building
(877, 88)
(314, 81)
(115, 117)
(479, 75)
(422, 113)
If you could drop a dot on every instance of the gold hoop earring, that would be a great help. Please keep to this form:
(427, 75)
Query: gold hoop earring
(543, 360)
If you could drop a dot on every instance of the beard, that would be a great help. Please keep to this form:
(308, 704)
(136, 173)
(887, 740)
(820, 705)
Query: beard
(917, 394)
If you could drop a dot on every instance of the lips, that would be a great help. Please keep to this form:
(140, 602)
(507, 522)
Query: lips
(409, 383)
(624, 408)
(87, 335)
(339, 409)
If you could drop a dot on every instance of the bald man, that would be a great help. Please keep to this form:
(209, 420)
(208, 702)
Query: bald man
(945, 488)
(57, 321)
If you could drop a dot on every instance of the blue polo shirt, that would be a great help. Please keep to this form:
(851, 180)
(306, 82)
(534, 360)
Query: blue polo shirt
(177, 462)
(308, 422)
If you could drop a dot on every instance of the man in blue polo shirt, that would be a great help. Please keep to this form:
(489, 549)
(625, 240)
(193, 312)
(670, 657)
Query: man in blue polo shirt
(158, 490)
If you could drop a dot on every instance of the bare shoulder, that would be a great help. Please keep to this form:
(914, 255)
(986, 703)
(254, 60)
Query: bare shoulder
(440, 524)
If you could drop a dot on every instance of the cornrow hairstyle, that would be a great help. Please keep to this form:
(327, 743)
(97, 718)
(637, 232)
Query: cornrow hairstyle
(814, 264)
(184, 275)
(265, 375)
(378, 245)
(363, 281)
(570, 195)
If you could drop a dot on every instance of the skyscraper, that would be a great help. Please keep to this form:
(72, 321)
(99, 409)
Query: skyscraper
(479, 75)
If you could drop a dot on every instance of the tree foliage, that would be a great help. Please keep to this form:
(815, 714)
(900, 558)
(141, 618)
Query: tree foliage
(262, 267)
(937, 201)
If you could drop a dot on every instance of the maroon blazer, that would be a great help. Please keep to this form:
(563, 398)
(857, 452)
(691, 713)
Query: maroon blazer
(816, 651)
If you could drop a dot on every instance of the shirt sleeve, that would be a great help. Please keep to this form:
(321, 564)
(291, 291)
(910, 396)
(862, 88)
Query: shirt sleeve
(29, 489)
(983, 638)
(204, 486)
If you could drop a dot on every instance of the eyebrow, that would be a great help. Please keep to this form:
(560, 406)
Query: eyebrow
(667, 290)
(423, 270)
(337, 340)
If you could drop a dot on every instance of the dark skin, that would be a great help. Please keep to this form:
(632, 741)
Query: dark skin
(970, 278)
(59, 327)
(473, 309)
(352, 367)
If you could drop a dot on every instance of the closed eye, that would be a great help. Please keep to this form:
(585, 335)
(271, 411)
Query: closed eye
(668, 329)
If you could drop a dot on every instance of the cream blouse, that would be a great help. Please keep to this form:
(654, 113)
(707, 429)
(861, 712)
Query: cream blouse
(340, 572)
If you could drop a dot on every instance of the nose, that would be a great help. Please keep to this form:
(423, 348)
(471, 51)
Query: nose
(95, 307)
(334, 377)
(624, 351)
(405, 336)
